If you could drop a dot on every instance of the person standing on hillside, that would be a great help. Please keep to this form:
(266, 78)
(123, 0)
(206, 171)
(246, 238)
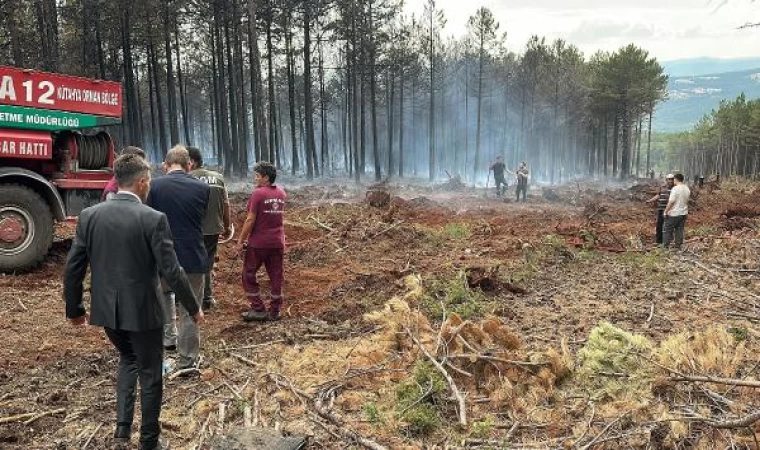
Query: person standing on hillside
(498, 169)
(126, 244)
(184, 200)
(217, 220)
(662, 197)
(676, 213)
(262, 242)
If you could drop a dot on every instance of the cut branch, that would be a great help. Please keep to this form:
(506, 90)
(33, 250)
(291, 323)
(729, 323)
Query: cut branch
(452, 385)
(716, 380)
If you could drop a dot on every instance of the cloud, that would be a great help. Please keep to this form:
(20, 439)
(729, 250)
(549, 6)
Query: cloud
(668, 29)
(593, 31)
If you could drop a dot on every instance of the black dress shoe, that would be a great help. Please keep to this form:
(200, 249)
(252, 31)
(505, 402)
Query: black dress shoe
(160, 445)
(121, 435)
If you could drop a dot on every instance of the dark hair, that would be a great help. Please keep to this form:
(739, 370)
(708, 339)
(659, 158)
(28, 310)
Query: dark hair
(128, 168)
(132, 150)
(679, 177)
(195, 156)
(266, 169)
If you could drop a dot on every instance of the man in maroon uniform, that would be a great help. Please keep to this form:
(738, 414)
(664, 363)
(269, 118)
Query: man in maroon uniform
(262, 242)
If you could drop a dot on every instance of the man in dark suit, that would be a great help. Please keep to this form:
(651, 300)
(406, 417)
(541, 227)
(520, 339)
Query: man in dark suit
(184, 200)
(126, 244)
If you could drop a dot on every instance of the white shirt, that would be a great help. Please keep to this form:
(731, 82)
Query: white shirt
(679, 196)
(129, 193)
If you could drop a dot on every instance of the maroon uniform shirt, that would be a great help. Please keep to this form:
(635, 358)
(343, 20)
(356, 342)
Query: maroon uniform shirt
(111, 188)
(268, 202)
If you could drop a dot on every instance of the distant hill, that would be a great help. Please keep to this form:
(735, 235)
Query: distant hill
(704, 66)
(691, 97)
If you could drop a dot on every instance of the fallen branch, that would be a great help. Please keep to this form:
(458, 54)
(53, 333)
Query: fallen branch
(33, 416)
(599, 436)
(243, 359)
(234, 391)
(201, 438)
(716, 380)
(323, 412)
(249, 347)
(183, 372)
(387, 229)
(523, 364)
(452, 385)
(84, 447)
(741, 422)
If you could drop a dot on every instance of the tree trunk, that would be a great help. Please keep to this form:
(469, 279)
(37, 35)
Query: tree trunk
(638, 146)
(481, 62)
(649, 139)
(392, 92)
(232, 91)
(294, 167)
(242, 106)
(171, 89)
(615, 142)
(401, 125)
(309, 110)
(153, 127)
(257, 88)
(129, 82)
(182, 93)
(273, 149)
(223, 121)
(324, 150)
(159, 101)
(431, 138)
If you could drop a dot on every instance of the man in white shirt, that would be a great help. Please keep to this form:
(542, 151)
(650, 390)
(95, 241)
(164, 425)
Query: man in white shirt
(675, 213)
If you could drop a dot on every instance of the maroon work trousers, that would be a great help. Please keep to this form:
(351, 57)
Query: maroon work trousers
(272, 260)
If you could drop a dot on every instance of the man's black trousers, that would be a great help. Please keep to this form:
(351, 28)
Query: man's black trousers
(142, 357)
(660, 224)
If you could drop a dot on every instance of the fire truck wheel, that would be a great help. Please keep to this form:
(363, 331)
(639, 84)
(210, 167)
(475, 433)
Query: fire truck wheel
(26, 228)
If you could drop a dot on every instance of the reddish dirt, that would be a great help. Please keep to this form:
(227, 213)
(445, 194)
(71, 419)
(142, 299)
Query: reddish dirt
(346, 258)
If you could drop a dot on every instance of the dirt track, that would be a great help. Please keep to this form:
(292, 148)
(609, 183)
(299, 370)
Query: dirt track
(346, 259)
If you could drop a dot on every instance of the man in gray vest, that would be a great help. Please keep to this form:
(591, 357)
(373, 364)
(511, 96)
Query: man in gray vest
(217, 221)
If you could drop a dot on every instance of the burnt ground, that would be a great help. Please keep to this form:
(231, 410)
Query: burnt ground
(548, 271)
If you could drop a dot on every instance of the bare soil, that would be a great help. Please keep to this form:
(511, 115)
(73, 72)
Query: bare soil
(549, 271)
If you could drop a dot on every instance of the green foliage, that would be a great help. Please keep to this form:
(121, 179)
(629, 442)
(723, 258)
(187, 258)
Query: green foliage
(456, 296)
(372, 413)
(739, 333)
(554, 241)
(649, 260)
(609, 352)
(482, 428)
(705, 147)
(702, 230)
(417, 399)
(586, 255)
(457, 231)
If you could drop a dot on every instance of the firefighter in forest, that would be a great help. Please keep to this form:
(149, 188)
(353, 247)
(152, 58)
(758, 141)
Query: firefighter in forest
(522, 174)
(498, 175)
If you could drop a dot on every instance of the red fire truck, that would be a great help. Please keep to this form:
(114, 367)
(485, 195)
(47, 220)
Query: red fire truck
(50, 170)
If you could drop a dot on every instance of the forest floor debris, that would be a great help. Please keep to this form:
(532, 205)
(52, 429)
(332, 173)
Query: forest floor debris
(437, 317)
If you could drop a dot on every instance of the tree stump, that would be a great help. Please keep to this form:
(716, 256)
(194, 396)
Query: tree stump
(378, 198)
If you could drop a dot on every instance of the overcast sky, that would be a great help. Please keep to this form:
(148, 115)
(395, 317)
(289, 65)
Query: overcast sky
(668, 29)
